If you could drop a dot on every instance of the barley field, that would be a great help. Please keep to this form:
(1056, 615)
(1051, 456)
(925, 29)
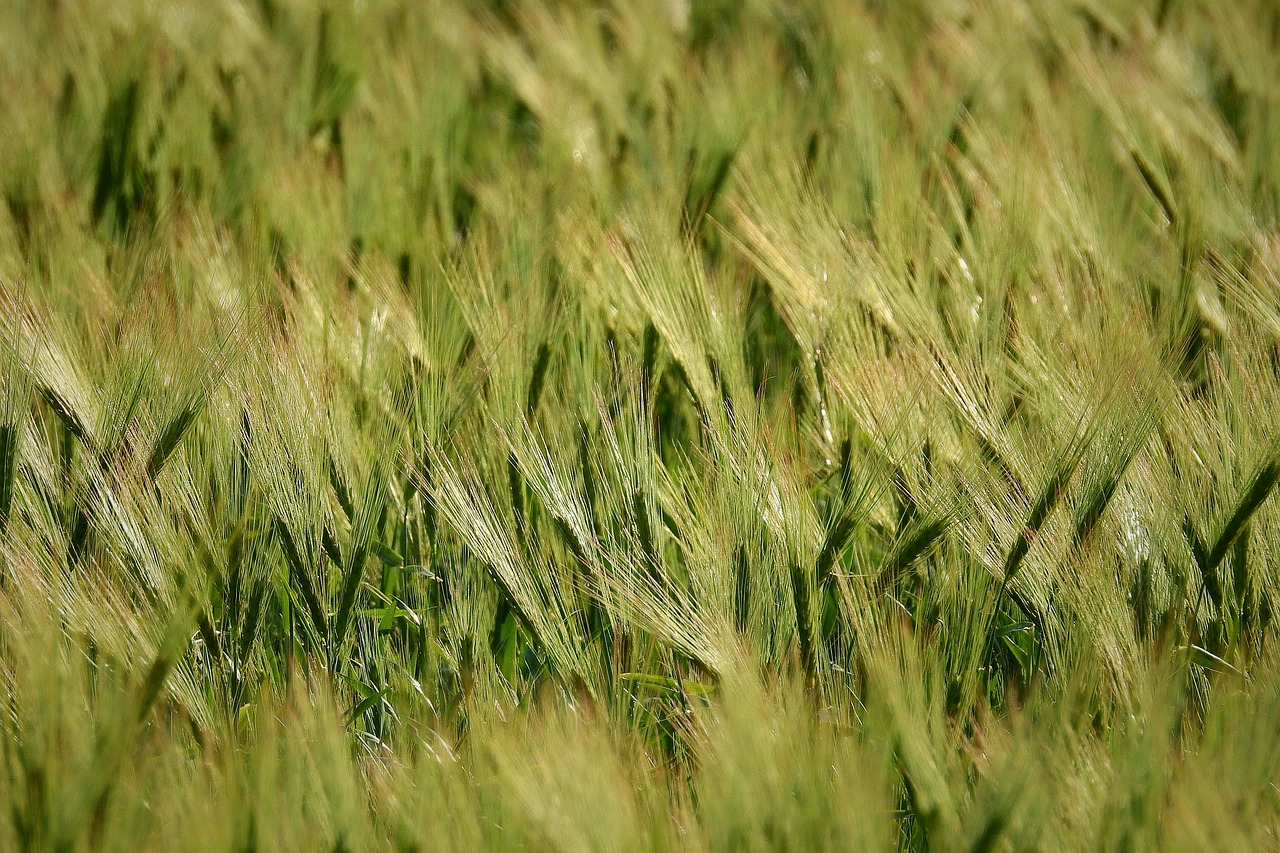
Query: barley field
(660, 425)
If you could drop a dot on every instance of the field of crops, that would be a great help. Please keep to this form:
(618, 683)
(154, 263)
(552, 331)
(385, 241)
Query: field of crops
(678, 424)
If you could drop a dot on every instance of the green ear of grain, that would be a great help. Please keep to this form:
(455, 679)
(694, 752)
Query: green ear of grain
(121, 413)
(363, 531)
(1260, 487)
(339, 484)
(804, 621)
(14, 403)
(125, 186)
(833, 544)
(167, 657)
(302, 580)
(329, 546)
(649, 356)
(1200, 553)
(1099, 490)
(63, 410)
(388, 555)
(741, 590)
(1156, 185)
(9, 432)
(640, 515)
(249, 628)
(171, 436)
(1091, 509)
(1049, 497)
(538, 378)
(508, 597)
(515, 488)
(1241, 581)
(918, 538)
(706, 178)
(1208, 559)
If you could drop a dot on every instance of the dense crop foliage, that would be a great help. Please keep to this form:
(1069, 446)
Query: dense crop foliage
(714, 425)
